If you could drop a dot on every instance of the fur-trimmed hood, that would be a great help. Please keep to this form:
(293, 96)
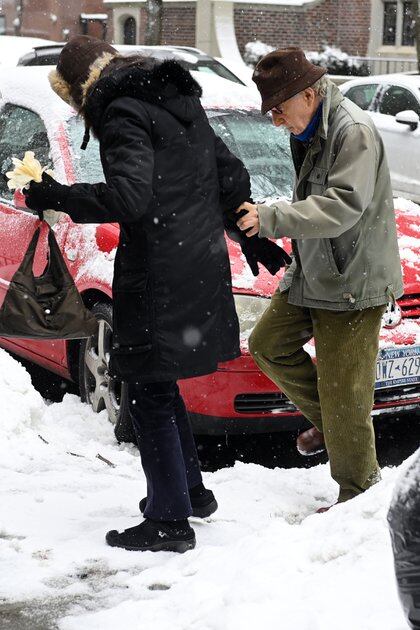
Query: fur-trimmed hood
(166, 84)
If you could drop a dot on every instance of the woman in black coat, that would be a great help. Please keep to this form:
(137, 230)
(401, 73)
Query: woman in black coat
(404, 524)
(167, 178)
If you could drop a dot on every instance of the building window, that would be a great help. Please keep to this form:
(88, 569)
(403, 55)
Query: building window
(409, 23)
(390, 24)
(129, 29)
(399, 23)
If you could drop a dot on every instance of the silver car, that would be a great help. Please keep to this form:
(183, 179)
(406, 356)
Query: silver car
(393, 102)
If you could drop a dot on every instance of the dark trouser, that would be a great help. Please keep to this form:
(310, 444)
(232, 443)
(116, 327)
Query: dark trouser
(336, 395)
(167, 449)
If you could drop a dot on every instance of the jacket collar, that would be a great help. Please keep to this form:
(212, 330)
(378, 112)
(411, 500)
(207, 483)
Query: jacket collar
(166, 84)
(331, 102)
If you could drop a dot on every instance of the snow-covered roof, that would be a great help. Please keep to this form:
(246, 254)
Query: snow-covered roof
(409, 80)
(28, 86)
(12, 48)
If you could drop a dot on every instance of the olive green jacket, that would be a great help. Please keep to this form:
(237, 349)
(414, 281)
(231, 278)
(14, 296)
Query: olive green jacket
(341, 220)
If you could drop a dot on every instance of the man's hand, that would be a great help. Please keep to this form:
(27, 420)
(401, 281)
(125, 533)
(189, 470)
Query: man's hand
(249, 221)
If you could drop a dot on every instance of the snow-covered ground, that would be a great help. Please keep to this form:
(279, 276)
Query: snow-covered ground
(264, 560)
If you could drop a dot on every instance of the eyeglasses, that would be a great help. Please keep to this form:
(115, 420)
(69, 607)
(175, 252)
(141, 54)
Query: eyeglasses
(277, 110)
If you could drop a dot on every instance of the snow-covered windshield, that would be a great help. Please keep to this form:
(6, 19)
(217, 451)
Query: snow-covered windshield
(263, 148)
(87, 163)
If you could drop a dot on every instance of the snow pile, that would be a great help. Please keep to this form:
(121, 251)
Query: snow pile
(405, 205)
(254, 51)
(22, 406)
(263, 560)
(330, 57)
(337, 62)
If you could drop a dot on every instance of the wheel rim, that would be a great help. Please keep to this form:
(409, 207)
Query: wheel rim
(102, 391)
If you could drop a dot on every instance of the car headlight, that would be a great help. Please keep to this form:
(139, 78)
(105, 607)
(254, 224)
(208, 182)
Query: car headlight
(249, 309)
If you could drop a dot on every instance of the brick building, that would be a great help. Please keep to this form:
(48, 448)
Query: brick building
(221, 27)
(308, 23)
(55, 19)
(383, 29)
(342, 23)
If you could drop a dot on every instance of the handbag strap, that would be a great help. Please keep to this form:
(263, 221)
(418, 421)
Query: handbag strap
(56, 262)
(56, 265)
(26, 266)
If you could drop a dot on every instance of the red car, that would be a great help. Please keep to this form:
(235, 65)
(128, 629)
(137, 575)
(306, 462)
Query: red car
(238, 397)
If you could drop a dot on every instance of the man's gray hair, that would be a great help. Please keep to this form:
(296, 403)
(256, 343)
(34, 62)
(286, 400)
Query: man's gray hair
(321, 86)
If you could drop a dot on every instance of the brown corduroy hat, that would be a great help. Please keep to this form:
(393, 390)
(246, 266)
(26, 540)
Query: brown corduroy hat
(282, 74)
(75, 64)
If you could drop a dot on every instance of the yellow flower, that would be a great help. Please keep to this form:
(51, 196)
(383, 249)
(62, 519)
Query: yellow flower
(26, 170)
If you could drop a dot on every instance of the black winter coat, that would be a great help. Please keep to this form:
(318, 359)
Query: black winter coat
(168, 178)
(404, 523)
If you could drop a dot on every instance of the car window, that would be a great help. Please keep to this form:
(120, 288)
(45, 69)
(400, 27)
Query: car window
(215, 68)
(20, 130)
(398, 99)
(263, 148)
(362, 95)
(87, 163)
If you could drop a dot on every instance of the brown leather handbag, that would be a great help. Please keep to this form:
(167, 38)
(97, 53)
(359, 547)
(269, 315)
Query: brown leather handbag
(47, 306)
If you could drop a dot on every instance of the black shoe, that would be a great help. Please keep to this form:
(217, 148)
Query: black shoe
(202, 506)
(154, 536)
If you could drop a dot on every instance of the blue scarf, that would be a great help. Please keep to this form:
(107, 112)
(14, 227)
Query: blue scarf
(310, 130)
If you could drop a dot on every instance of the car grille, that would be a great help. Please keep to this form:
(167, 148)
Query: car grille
(260, 403)
(410, 305)
(276, 401)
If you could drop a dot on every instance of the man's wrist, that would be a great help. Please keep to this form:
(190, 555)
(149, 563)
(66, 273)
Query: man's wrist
(263, 216)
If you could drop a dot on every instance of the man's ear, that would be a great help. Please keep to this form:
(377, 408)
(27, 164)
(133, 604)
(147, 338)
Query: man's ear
(310, 95)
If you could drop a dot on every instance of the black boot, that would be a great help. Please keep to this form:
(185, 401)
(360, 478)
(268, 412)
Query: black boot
(203, 502)
(154, 536)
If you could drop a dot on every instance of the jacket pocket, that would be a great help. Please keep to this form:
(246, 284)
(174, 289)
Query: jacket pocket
(317, 180)
(330, 257)
(133, 321)
(321, 279)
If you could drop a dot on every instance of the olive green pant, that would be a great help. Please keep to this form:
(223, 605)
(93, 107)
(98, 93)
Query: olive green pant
(337, 394)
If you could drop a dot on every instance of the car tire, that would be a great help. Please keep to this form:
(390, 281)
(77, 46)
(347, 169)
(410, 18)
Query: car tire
(97, 387)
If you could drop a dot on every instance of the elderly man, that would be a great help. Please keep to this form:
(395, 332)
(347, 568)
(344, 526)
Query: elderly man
(346, 265)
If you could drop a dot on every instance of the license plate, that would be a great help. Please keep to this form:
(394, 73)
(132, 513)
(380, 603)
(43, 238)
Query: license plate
(398, 366)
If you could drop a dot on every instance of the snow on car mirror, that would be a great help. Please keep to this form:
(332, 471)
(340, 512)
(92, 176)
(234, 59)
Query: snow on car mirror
(408, 117)
(19, 200)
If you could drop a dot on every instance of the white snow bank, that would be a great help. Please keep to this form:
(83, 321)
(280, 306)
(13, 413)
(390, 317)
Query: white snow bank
(264, 560)
(407, 206)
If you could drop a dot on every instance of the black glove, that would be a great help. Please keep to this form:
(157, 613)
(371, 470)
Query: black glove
(46, 195)
(262, 250)
(255, 249)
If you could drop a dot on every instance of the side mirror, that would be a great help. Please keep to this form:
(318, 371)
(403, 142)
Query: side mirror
(408, 117)
(19, 200)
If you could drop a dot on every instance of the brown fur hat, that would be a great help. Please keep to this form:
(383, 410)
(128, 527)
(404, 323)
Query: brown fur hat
(80, 64)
